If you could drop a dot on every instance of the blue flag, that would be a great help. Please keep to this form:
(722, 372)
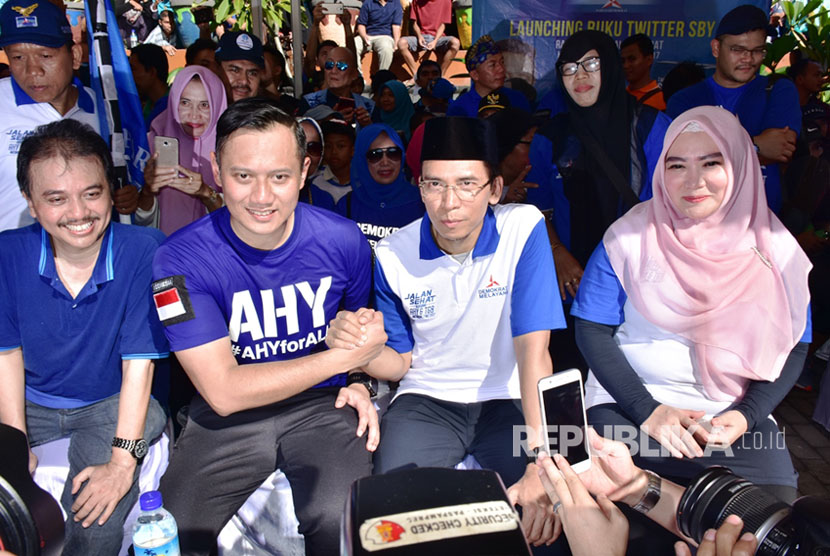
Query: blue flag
(122, 119)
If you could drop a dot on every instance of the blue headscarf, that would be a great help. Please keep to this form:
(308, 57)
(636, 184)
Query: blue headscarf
(367, 190)
(404, 110)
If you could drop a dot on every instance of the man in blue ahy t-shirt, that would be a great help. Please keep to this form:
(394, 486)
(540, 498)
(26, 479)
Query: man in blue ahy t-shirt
(245, 295)
(468, 298)
(768, 111)
(78, 334)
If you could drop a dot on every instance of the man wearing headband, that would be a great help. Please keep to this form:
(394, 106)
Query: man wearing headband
(467, 295)
(770, 114)
(485, 63)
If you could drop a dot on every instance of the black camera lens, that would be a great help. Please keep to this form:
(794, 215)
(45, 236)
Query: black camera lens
(718, 493)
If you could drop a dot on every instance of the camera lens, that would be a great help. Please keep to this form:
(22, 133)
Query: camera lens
(17, 528)
(718, 493)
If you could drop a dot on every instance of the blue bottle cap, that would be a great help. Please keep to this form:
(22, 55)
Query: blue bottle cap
(150, 500)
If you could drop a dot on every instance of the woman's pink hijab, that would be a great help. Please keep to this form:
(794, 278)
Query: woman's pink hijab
(178, 209)
(734, 283)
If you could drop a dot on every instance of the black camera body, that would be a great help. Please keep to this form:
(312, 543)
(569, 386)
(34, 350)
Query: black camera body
(31, 522)
(781, 529)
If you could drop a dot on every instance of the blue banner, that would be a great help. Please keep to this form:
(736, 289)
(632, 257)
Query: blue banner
(120, 111)
(531, 32)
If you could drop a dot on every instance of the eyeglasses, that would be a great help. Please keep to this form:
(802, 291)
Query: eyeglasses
(314, 148)
(466, 190)
(740, 51)
(342, 66)
(392, 153)
(589, 64)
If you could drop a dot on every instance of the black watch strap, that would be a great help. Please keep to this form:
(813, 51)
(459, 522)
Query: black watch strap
(369, 382)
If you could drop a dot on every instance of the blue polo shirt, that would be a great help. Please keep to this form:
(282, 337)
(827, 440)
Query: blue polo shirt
(459, 319)
(378, 18)
(73, 348)
(467, 104)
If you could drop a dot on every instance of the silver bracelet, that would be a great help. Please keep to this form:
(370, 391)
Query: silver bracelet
(652, 493)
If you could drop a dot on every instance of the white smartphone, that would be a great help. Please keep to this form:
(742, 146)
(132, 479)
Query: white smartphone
(168, 149)
(563, 417)
(333, 8)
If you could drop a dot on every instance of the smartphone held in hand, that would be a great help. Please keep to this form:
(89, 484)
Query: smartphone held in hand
(563, 418)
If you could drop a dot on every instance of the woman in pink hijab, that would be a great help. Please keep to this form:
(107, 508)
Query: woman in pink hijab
(693, 313)
(187, 191)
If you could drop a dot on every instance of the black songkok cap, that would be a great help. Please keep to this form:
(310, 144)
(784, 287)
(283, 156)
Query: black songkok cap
(743, 19)
(458, 138)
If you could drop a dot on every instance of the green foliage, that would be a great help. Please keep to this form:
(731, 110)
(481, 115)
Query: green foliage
(275, 13)
(808, 31)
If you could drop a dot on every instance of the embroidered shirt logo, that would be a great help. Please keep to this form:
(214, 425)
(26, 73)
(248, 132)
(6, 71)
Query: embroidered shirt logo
(421, 305)
(492, 289)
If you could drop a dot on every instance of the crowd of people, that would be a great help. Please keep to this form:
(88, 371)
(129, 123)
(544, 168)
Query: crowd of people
(299, 259)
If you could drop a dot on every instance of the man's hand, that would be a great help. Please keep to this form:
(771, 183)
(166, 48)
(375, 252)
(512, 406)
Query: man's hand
(345, 18)
(723, 542)
(568, 271)
(105, 486)
(612, 468)
(776, 144)
(317, 14)
(538, 520)
(357, 397)
(362, 116)
(591, 527)
(516, 192)
(169, 49)
(675, 429)
(125, 199)
(348, 329)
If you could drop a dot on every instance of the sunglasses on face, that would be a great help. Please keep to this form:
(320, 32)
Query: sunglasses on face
(314, 148)
(392, 153)
(342, 66)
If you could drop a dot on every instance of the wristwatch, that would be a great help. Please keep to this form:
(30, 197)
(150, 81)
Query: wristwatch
(369, 382)
(137, 448)
(652, 494)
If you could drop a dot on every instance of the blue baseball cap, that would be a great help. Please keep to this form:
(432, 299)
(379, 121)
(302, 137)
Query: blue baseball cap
(236, 45)
(743, 19)
(40, 22)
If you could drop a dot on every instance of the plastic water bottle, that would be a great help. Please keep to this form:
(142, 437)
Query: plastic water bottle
(155, 532)
(133, 39)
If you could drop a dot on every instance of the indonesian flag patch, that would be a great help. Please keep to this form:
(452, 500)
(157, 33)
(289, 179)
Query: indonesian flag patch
(172, 300)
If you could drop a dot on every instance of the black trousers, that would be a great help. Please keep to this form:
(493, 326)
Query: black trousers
(219, 461)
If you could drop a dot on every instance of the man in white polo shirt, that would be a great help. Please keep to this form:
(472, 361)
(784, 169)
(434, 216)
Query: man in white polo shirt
(37, 39)
(468, 298)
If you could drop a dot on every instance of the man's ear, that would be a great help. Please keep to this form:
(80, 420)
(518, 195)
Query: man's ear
(715, 45)
(77, 56)
(495, 190)
(214, 164)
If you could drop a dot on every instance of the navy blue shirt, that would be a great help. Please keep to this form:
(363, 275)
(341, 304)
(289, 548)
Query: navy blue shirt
(756, 108)
(379, 19)
(377, 222)
(73, 348)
